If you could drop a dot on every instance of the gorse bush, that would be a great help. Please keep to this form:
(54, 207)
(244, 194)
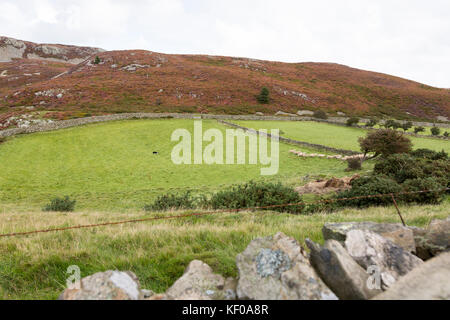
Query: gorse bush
(354, 164)
(320, 114)
(372, 123)
(369, 186)
(430, 183)
(419, 130)
(435, 131)
(257, 194)
(173, 202)
(429, 154)
(246, 196)
(352, 121)
(60, 205)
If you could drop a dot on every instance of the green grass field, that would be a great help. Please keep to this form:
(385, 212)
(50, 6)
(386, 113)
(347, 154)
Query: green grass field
(34, 267)
(111, 166)
(333, 135)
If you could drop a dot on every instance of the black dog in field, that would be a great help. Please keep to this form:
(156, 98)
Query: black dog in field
(155, 153)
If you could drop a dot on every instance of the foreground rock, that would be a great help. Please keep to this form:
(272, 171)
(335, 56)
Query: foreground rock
(347, 279)
(109, 285)
(276, 268)
(397, 233)
(371, 250)
(431, 281)
(434, 240)
(200, 283)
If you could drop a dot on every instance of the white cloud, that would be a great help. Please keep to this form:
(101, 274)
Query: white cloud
(403, 38)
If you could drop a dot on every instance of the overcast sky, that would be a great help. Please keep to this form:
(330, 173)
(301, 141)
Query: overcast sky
(406, 38)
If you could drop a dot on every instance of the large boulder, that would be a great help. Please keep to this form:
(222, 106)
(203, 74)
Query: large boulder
(434, 240)
(277, 268)
(372, 251)
(347, 279)
(109, 285)
(397, 233)
(430, 281)
(200, 283)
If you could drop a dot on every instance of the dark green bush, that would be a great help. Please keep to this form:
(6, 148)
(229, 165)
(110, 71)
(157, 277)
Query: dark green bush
(419, 129)
(435, 131)
(257, 194)
(60, 205)
(399, 167)
(372, 123)
(320, 114)
(367, 186)
(446, 134)
(352, 121)
(429, 154)
(97, 60)
(407, 125)
(264, 96)
(429, 183)
(167, 202)
(354, 164)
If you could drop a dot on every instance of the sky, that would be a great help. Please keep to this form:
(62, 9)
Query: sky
(405, 38)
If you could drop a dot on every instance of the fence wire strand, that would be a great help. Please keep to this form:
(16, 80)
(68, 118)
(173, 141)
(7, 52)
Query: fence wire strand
(199, 214)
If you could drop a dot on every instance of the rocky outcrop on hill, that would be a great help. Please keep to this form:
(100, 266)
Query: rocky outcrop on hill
(359, 261)
(16, 49)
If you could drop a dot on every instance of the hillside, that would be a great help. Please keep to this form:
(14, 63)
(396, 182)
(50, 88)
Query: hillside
(134, 81)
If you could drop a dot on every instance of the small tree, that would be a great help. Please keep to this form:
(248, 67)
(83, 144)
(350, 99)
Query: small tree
(407, 125)
(419, 129)
(97, 60)
(385, 142)
(264, 96)
(352, 121)
(320, 114)
(435, 131)
(446, 134)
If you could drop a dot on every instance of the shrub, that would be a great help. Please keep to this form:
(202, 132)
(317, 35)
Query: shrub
(97, 60)
(446, 134)
(168, 202)
(352, 121)
(407, 125)
(354, 164)
(430, 154)
(429, 183)
(365, 186)
(264, 96)
(402, 167)
(419, 129)
(392, 124)
(320, 114)
(60, 205)
(385, 142)
(435, 131)
(399, 167)
(257, 194)
(372, 123)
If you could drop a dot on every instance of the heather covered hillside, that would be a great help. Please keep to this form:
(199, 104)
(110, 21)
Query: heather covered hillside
(135, 81)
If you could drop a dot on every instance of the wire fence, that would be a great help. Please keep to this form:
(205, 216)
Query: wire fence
(199, 214)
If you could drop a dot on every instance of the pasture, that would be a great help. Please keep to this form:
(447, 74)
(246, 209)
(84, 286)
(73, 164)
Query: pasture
(333, 135)
(113, 166)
